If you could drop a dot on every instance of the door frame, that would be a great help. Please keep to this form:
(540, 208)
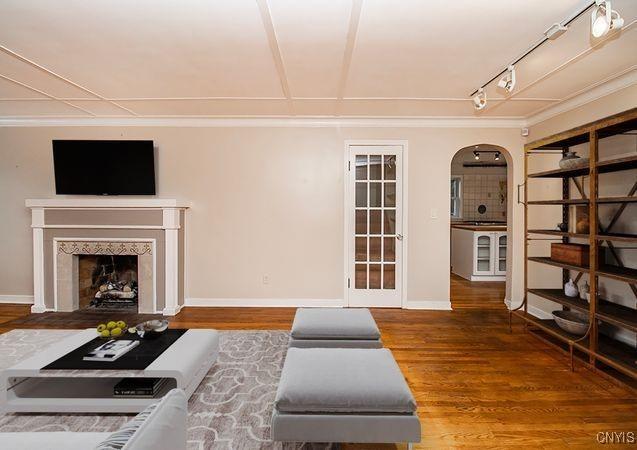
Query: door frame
(347, 218)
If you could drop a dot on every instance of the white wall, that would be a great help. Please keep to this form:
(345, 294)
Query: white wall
(265, 201)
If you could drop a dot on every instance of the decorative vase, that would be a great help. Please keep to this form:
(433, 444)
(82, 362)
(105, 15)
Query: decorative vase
(569, 161)
(584, 291)
(570, 289)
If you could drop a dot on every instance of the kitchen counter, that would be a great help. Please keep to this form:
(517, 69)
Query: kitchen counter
(464, 226)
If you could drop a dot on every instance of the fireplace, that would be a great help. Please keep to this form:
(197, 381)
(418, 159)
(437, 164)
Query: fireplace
(80, 245)
(108, 282)
(105, 275)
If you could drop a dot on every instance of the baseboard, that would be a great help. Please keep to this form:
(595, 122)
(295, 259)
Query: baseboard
(539, 313)
(21, 299)
(266, 302)
(172, 311)
(443, 305)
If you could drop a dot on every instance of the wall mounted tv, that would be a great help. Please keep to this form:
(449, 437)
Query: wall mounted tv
(104, 167)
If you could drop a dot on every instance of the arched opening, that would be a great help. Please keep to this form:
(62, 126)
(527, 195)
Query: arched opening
(480, 250)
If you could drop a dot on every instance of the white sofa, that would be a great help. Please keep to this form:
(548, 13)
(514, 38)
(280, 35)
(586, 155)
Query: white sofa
(161, 425)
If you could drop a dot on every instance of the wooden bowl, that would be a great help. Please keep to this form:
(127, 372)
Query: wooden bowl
(571, 322)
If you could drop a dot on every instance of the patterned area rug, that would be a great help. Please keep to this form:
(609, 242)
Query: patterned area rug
(230, 410)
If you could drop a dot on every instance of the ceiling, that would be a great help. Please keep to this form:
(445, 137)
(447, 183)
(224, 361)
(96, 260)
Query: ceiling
(310, 58)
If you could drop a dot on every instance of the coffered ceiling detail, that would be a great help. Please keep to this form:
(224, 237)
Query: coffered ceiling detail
(310, 58)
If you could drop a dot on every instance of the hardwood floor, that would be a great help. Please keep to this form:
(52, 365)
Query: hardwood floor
(467, 294)
(477, 386)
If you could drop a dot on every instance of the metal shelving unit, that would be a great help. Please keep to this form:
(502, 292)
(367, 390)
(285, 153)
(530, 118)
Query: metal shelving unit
(597, 351)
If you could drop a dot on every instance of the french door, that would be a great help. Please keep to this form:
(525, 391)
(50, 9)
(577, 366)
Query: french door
(374, 232)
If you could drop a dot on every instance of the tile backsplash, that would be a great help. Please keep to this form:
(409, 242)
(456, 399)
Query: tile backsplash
(487, 190)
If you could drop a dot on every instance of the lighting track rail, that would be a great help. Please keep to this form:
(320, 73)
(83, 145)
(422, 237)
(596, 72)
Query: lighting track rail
(533, 48)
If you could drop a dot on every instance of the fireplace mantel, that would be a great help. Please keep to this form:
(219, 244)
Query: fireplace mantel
(98, 219)
(105, 202)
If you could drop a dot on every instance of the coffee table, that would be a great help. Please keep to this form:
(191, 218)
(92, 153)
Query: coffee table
(26, 387)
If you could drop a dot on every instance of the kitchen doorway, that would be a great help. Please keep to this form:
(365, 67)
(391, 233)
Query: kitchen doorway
(479, 217)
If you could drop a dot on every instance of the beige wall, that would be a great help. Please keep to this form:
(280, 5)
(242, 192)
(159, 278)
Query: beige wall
(265, 201)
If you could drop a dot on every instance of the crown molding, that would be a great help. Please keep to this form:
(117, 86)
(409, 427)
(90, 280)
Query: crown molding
(602, 89)
(276, 122)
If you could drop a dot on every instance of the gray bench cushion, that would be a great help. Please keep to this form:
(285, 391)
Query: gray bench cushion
(342, 380)
(334, 323)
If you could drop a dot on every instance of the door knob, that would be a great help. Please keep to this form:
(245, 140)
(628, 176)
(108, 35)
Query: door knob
(399, 237)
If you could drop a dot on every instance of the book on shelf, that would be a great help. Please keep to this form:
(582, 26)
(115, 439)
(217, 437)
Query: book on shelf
(139, 387)
(111, 350)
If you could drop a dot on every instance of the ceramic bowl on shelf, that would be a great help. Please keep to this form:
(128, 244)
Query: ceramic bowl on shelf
(571, 321)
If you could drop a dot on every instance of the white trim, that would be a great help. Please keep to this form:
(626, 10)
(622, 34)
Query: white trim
(106, 227)
(267, 121)
(626, 80)
(19, 299)
(38, 270)
(171, 270)
(171, 311)
(266, 302)
(152, 241)
(442, 305)
(101, 202)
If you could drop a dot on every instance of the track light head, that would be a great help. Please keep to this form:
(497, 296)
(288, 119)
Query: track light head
(507, 82)
(476, 155)
(497, 156)
(480, 99)
(604, 19)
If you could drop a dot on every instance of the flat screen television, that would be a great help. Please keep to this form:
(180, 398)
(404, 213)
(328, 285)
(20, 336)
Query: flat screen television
(104, 167)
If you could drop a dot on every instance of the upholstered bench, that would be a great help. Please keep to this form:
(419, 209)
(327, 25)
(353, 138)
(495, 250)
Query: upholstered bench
(334, 327)
(343, 395)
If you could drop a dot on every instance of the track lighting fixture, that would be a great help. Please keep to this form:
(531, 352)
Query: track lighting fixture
(480, 99)
(604, 19)
(507, 82)
(476, 155)
(497, 156)
(555, 31)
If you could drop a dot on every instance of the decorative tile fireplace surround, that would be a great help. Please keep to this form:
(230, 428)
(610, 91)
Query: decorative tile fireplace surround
(150, 229)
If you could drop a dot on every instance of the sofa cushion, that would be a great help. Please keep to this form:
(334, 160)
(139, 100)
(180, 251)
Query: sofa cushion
(334, 323)
(160, 425)
(342, 380)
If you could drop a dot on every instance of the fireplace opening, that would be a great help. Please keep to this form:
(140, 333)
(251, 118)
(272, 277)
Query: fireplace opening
(108, 282)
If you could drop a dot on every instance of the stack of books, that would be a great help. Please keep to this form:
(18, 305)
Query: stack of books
(139, 387)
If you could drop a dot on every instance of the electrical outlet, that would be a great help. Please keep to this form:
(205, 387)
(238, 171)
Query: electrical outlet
(266, 279)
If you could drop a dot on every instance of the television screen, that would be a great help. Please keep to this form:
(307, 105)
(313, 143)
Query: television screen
(104, 167)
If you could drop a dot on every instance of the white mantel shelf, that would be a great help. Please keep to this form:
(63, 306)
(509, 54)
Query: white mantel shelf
(106, 202)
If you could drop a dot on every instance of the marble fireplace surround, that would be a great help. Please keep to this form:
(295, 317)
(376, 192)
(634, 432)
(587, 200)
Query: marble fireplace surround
(66, 272)
(150, 228)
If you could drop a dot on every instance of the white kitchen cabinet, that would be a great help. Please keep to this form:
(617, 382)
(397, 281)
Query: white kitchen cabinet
(479, 255)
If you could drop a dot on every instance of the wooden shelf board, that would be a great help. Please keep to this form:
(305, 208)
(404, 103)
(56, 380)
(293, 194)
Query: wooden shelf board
(618, 273)
(617, 237)
(611, 165)
(616, 314)
(618, 355)
(549, 261)
(550, 327)
(558, 296)
(559, 233)
(617, 200)
(568, 201)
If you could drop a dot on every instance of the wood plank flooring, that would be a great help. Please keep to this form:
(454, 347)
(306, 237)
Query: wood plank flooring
(477, 386)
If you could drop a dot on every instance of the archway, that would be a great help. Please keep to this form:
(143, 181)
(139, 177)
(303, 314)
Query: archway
(480, 221)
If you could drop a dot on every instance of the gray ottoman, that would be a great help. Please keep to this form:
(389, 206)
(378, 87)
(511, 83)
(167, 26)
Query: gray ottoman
(343, 395)
(334, 327)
